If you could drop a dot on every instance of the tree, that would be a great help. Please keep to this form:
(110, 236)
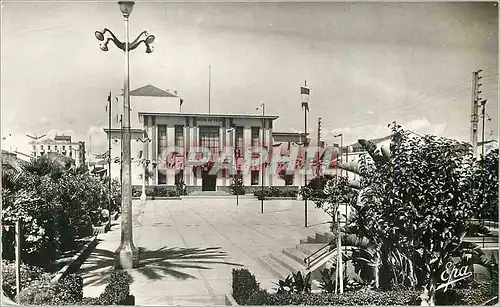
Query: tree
(421, 201)
(486, 179)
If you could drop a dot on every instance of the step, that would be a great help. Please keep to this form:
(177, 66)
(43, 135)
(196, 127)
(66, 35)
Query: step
(295, 254)
(311, 239)
(481, 239)
(329, 237)
(290, 264)
(310, 248)
(321, 238)
(273, 267)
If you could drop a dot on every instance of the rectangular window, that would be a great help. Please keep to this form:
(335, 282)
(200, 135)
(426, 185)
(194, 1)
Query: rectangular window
(255, 137)
(162, 139)
(48, 147)
(255, 177)
(179, 136)
(239, 137)
(64, 147)
(209, 138)
(41, 147)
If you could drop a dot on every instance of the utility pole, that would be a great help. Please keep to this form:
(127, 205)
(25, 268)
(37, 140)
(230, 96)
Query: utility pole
(474, 109)
(483, 104)
(121, 154)
(319, 142)
(306, 108)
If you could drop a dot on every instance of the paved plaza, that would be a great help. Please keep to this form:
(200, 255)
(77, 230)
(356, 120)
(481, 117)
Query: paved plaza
(189, 247)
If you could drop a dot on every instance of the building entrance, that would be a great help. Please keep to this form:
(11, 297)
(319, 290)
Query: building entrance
(208, 182)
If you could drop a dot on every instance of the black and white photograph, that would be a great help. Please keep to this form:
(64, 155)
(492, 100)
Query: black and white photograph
(220, 153)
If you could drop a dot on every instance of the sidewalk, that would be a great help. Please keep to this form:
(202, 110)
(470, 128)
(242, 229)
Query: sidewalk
(189, 247)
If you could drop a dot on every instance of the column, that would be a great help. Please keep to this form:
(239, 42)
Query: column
(187, 142)
(269, 138)
(154, 150)
(170, 144)
(195, 144)
(221, 181)
(247, 142)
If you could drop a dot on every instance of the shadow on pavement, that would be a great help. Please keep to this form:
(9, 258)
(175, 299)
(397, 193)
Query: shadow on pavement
(155, 264)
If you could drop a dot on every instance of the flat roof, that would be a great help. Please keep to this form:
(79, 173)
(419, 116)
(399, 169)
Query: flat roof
(273, 117)
(289, 133)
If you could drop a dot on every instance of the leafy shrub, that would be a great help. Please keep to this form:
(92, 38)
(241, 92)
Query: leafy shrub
(478, 293)
(90, 301)
(244, 285)
(297, 283)
(28, 274)
(39, 292)
(352, 298)
(70, 290)
(117, 290)
(237, 187)
(49, 200)
(258, 298)
(275, 192)
(180, 188)
(328, 280)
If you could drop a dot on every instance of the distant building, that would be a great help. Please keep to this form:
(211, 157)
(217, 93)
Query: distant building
(62, 145)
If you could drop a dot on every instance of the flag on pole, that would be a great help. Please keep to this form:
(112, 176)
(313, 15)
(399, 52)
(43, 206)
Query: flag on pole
(304, 91)
(181, 101)
(109, 101)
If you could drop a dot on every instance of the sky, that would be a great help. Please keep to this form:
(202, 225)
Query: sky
(367, 64)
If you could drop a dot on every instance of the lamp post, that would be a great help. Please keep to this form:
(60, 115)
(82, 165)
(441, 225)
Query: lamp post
(341, 146)
(127, 255)
(237, 176)
(144, 163)
(263, 106)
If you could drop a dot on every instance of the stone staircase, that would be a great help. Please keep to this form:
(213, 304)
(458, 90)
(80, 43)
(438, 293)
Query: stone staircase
(202, 194)
(291, 260)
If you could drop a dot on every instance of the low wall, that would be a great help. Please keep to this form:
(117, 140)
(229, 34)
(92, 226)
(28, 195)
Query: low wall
(162, 190)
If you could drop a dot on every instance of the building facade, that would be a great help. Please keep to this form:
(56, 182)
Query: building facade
(61, 144)
(179, 144)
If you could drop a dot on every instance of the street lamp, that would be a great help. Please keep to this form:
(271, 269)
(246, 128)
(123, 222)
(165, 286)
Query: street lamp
(127, 255)
(263, 106)
(144, 163)
(341, 145)
(235, 157)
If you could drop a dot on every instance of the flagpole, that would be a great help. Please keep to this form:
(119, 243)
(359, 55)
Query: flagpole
(306, 107)
(209, 85)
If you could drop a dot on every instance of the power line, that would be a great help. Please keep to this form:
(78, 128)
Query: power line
(403, 106)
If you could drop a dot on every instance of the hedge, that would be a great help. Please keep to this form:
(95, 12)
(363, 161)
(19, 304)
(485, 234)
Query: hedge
(246, 291)
(69, 291)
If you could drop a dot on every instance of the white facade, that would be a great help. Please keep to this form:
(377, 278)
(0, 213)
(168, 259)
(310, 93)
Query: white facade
(65, 147)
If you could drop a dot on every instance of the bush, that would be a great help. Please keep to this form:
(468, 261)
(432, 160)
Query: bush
(28, 274)
(477, 293)
(237, 187)
(180, 188)
(39, 292)
(352, 298)
(70, 290)
(275, 192)
(244, 285)
(117, 290)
